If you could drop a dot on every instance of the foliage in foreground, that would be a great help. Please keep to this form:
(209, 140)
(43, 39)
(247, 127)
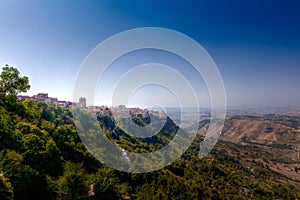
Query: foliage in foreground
(42, 157)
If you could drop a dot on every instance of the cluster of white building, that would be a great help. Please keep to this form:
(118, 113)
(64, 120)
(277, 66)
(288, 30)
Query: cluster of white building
(115, 111)
(122, 111)
(43, 97)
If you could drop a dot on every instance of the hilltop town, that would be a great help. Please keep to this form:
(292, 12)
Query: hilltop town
(116, 111)
(43, 97)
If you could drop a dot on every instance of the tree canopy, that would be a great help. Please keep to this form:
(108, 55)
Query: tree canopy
(42, 157)
(11, 82)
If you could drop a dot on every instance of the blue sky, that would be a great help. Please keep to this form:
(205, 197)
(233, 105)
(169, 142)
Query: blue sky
(255, 44)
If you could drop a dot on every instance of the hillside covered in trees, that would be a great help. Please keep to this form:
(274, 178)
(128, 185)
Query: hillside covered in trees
(42, 157)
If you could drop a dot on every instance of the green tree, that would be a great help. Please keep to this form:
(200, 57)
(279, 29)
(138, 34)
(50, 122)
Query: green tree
(42, 154)
(27, 182)
(73, 183)
(11, 82)
(107, 185)
(6, 190)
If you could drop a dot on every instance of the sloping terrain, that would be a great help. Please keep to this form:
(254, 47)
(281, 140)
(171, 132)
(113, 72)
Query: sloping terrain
(260, 130)
(42, 157)
(273, 141)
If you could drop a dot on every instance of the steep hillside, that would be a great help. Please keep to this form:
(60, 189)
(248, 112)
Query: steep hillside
(42, 157)
(263, 130)
(271, 140)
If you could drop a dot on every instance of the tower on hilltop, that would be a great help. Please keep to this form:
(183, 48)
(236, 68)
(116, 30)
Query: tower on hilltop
(82, 102)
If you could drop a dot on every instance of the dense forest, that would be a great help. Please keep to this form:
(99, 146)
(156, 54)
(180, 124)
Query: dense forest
(42, 157)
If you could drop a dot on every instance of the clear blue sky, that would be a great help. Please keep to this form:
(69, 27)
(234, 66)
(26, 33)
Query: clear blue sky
(255, 44)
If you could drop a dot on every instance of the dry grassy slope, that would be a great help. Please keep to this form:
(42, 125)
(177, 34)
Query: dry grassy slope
(261, 130)
(271, 141)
